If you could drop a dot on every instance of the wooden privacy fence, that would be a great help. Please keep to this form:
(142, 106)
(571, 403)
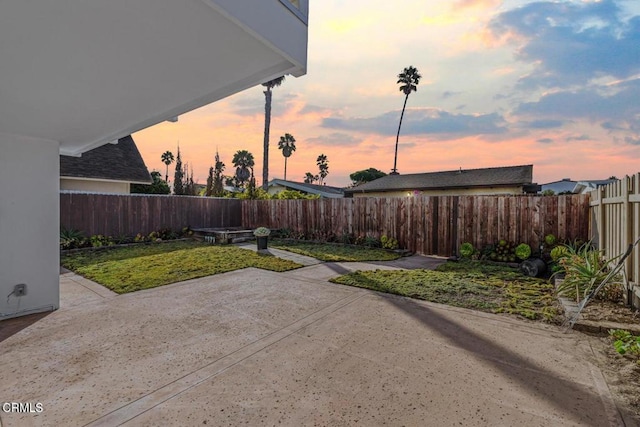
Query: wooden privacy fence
(430, 225)
(129, 214)
(615, 210)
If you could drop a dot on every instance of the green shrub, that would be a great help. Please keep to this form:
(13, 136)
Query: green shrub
(388, 242)
(71, 239)
(625, 342)
(467, 250)
(559, 252)
(261, 232)
(372, 242)
(523, 251)
(503, 251)
(550, 239)
(347, 238)
(167, 234)
(139, 238)
(98, 240)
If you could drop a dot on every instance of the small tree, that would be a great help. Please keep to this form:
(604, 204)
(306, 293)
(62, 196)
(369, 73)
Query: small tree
(218, 187)
(158, 186)
(209, 190)
(310, 178)
(366, 175)
(323, 166)
(189, 184)
(178, 184)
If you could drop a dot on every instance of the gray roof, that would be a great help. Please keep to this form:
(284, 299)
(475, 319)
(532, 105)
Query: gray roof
(462, 178)
(116, 162)
(560, 186)
(322, 190)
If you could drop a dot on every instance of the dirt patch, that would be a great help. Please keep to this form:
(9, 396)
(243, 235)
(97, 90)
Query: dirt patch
(609, 311)
(622, 373)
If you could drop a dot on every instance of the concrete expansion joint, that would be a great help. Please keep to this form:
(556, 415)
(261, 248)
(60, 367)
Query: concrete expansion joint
(173, 389)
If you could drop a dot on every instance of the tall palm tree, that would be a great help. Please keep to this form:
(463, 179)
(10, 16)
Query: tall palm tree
(167, 159)
(287, 144)
(323, 165)
(267, 125)
(408, 79)
(244, 163)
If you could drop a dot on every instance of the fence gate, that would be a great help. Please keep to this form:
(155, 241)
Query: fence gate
(615, 213)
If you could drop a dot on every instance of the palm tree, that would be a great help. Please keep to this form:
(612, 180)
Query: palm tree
(267, 125)
(287, 144)
(167, 159)
(323, 165)
(310, 178)
(244, 163)
(409, 79)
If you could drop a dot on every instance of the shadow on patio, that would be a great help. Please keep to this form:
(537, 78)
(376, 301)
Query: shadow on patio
(573, 400)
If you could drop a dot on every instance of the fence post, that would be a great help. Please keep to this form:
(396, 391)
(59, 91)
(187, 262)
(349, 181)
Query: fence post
(635, 273)
(626, 223)
(600, 219)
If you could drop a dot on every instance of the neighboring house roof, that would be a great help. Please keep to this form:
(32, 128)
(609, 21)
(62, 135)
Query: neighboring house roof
(462, 178)
(562, 186)
(115, 162)
(585, 186)
(321, 190)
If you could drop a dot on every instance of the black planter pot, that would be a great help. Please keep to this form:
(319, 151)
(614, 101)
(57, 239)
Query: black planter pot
(262, 242)
(533, 267)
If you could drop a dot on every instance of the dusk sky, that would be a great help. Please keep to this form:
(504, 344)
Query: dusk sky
(553, 84)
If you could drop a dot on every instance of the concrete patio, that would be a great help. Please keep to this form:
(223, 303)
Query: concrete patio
(257, 347)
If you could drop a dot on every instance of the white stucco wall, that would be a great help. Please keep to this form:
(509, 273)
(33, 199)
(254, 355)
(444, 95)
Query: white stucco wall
(29, 224)
(94, 186)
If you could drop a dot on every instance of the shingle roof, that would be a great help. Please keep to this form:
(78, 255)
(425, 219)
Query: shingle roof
(322, 190)
(118, 162)
(463, 178)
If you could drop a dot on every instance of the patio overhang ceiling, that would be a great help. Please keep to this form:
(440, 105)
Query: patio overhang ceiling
(84, 73)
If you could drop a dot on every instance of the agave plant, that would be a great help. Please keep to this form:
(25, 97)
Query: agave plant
(70, 238)
(584, 268)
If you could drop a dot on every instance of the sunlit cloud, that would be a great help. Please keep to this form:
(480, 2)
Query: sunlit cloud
(427, 121)
(572, 42)
(553, 84)
(579, 138)
(542, 124)
(335, 139)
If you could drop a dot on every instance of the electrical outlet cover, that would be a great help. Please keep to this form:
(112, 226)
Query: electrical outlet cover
(20, 290)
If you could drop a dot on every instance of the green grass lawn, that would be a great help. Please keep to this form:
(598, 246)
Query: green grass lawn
(473, 285)
(133, 268)
(335, 253)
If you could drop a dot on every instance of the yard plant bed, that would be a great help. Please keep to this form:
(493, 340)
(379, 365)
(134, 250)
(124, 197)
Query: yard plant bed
(130, 269)
(599, 310)
(474, 285)
(335, 252)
